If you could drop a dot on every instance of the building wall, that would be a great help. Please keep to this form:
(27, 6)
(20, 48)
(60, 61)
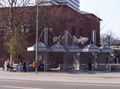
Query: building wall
(59, 18)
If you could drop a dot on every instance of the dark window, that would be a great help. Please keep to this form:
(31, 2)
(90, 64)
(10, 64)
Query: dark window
(80, 32)
(2, 30)
(73, 30)
(24, 29)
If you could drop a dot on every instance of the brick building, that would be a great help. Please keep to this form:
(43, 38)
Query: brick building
(59, 18)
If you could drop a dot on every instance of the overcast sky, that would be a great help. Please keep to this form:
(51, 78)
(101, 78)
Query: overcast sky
(108, 11)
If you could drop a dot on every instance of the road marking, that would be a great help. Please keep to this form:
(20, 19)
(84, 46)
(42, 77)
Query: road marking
(93, 84)
(15, 87)
(8, 80)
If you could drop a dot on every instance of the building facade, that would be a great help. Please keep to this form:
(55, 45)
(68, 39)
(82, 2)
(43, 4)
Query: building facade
(75, 4)
(60, 18)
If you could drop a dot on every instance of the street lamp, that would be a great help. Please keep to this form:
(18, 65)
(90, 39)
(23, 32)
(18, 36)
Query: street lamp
(36, 56)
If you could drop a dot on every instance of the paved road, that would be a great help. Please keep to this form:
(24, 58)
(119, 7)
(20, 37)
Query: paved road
(25, 84)
(10, 80)
(18, 84)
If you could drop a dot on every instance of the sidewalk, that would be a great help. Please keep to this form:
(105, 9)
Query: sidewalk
(78, 77)
(98, 74)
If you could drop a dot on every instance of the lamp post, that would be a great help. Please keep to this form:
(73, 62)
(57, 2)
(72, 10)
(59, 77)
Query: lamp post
(36, 56)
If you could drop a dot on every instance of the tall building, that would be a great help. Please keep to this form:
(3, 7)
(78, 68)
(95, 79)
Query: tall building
(75, 4)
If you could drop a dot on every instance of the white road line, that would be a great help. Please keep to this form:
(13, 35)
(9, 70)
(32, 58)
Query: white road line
(90, 84)
(15, 87)
(19, 81)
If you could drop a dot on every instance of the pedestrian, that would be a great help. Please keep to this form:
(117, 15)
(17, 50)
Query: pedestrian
(34, 65)
(116, 59)
(76, 65)
(5, 66)
(24, 67)
(20, 66)
(8, 65)
(89, 66)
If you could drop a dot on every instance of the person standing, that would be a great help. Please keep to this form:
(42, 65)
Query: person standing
(24, 67)
(34, 65)
(8, 65)
(5, 66)
(89, 66)
(76, 65)
(20, 66)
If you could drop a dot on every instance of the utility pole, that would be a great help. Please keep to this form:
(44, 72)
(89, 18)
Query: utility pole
(36, 56)
(46, 44)
(10, 22)
(94, 37)
(94, 54)
(66, 39)
(66, 45)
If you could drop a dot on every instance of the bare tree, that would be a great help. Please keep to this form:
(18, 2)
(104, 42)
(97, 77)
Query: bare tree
(14, 3)
(11, 13)
(107, 39)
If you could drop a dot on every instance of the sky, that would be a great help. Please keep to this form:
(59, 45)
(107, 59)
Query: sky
(108, 11)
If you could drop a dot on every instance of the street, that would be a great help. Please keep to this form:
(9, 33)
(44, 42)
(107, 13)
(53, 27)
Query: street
(15, 84)
(11, 80)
